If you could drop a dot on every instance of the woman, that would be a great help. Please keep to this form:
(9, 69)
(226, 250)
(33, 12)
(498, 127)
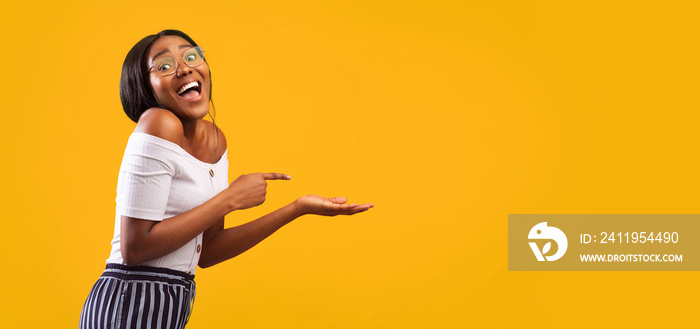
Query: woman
(173, 193)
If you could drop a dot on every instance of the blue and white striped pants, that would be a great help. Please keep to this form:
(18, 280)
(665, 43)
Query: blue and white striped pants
(140, 297)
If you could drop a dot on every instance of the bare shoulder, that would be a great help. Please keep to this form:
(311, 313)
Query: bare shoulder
(161, 123)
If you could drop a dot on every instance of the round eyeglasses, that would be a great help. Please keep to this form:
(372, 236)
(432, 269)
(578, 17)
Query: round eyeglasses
(167, 65)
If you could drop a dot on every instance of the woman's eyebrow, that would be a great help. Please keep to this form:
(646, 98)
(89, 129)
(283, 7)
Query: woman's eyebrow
(166, 50)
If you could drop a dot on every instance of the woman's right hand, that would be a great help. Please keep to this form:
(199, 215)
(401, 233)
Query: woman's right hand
(249, 190)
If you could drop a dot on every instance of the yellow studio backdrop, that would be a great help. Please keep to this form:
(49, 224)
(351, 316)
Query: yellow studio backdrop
(447, 115)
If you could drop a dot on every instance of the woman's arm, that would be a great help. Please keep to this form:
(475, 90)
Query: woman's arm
(222, 244)
(144, 240)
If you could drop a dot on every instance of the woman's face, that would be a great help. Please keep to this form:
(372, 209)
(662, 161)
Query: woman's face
(186, 92)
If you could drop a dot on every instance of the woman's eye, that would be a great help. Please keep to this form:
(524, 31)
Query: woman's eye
(164, 67)
(191, 57)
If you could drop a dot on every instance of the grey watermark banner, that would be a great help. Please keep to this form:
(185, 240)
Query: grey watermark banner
(578, 242)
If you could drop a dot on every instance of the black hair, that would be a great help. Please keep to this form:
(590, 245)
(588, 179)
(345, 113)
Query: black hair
(135, 89)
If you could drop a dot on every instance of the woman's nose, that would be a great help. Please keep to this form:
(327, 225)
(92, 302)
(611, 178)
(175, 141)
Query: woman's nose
(182, 68)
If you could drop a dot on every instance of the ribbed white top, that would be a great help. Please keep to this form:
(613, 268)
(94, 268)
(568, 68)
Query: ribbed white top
(158, 180)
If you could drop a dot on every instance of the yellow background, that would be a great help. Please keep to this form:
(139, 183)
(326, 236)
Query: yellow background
(448, 115)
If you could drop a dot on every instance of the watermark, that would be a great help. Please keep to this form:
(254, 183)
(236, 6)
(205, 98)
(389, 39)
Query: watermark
(543, 232)
(604, 242)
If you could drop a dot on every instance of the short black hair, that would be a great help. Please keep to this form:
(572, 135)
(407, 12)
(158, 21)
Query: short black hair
(135, 88)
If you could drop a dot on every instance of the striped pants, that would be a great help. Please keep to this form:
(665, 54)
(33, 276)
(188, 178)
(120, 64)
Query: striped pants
(139, 297)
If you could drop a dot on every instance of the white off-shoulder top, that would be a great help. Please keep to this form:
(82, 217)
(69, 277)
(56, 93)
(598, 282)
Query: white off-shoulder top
(158, 180)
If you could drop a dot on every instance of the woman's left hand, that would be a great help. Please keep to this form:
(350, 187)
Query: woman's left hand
(318, 205)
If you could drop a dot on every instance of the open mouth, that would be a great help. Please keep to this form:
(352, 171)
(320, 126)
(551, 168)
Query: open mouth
(190, 90)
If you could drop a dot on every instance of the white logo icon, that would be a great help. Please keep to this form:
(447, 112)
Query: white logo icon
(541, 232)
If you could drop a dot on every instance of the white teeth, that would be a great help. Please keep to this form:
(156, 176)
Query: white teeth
(187, 86)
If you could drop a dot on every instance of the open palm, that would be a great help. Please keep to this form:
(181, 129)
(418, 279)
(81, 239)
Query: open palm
(318, 205)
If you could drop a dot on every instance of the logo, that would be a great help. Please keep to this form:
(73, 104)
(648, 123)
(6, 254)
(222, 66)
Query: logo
(543, 232)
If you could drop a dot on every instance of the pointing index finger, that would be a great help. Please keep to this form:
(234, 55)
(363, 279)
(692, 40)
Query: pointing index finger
(276, 176)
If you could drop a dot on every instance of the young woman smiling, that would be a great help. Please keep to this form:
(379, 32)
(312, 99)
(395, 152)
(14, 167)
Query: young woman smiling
(173, 193)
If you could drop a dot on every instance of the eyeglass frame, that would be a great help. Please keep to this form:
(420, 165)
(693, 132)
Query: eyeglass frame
(200, 51)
